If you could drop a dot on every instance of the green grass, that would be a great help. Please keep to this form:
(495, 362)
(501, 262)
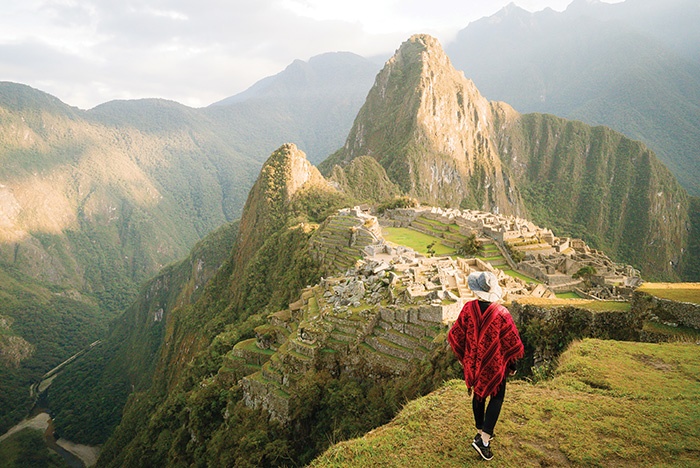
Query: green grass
(642, 400)
(568, 295)
(250, 345)
(590, 304)
(490, 258)
(525, 278)
(679, 333)
(681, 292)
(416, 240)
(313, 306)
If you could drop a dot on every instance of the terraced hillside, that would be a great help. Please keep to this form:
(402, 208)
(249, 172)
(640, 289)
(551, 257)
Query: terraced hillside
(340, 240)
(342, 322)
(446, 239)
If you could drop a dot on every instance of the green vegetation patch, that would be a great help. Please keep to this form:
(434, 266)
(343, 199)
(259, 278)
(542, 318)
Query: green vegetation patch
(523, 277)
(313, 306)
(416, 240)
(28, 448)
(640, 401)
(251, 346)
(568, 295)
(679, 333)
(681, 292)
(588, 304)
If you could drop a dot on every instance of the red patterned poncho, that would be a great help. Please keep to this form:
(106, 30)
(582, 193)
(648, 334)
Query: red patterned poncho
(485, 343)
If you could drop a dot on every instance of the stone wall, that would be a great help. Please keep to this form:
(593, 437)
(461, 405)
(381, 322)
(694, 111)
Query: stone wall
(666, 311)
(547, 331)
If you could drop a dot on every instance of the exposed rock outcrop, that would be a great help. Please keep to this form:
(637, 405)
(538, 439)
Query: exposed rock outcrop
(431, 129)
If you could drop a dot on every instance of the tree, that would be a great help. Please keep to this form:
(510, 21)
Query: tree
(470, 246)
(585, 273)
(516, 255)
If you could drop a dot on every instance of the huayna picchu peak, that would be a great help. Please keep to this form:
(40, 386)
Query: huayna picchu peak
(431, 130)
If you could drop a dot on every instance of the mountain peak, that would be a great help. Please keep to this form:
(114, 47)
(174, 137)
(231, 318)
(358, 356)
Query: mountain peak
(430, 128)
(285, 173)
(420, 48)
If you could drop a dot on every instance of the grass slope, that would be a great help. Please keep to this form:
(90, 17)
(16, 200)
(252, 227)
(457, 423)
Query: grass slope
(416, 240)
(681, 292)
(641, 400)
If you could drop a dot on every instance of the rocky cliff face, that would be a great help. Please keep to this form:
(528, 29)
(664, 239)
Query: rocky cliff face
(13, 349)
(431, 130)
(597, 184)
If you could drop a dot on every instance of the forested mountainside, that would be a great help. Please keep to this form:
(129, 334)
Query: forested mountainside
(442, 142)
(41, 325)
(197, 411)
(95, 202)
(100, 200)
(267, 268)
(89, 397)
(633, 66)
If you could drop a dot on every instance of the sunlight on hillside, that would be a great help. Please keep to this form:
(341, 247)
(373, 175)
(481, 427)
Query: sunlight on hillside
(641, 401)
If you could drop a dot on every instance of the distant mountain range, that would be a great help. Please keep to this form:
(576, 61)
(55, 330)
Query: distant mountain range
(92, 203)
(633, 66)
(310, 103)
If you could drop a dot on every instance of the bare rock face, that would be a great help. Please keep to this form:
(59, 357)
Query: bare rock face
(432, 131)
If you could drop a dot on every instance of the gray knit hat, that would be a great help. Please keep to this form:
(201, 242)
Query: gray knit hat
(485, 285)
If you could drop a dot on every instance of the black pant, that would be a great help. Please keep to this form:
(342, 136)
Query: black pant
(486, 420)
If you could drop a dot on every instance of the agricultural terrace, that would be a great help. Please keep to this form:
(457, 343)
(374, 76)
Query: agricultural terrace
(445, 240)
(681, 292)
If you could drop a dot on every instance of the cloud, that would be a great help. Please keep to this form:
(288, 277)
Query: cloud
(89, 51)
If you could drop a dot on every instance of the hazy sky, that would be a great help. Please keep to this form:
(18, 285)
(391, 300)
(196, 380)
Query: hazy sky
(86, 52)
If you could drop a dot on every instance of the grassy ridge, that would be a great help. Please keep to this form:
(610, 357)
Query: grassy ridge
(681, 292)
(640, 401)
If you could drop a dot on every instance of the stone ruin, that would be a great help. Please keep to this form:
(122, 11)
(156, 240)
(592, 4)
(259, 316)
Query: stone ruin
(550, 259)
(384, 312)
(392, 305)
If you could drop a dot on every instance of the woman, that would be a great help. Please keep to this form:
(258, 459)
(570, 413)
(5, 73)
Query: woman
(487, 344)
